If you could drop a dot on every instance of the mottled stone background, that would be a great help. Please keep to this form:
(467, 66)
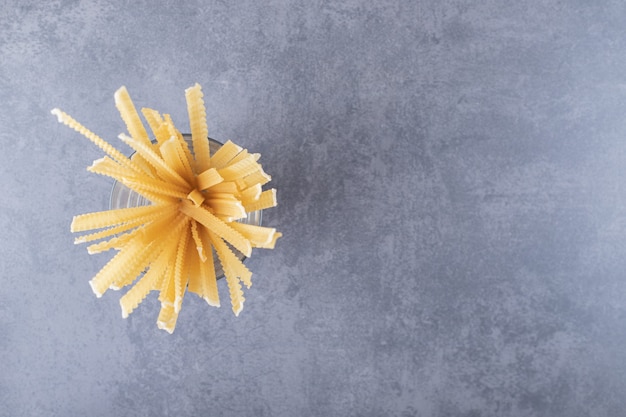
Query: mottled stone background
(451, 189)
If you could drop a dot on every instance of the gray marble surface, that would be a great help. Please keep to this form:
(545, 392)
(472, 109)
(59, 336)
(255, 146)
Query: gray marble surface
(451, 191)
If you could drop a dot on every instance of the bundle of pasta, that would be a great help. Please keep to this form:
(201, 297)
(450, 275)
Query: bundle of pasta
(196, 202)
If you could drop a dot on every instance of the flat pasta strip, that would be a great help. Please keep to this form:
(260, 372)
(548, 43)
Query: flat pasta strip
(181, 276)
(221, 196)
(193, 266)
(230, 208)
(163, 170)
(251, 193)
(108, 167)
(237, 158)
(174, 156)
(259, 177)
(271, 245)
(225, 154)
(166, 285)
(143, 164)
(231, 260)
(153, 118)
(168, 317)
(208, 178)
(266, 200)
(153, 246)
(240, 169)
(167, 291)
(259, 236)
(116, 242)
(184, 153)
(159, 185)
(234, 285)
(127, 262)
(129, 114)
(196, 197)
(209, 283)
(211, 222)
(148, 255)
(175, 132)
(108, 218)
(163, 133)
(168, 256)
(198, 125)
(139, 291)
(182, 140)
(225, 187)
(115, 230)
(147, 186)
(201, 276)
(97, 140)
(198, 241)
(154, 189)
(169, 224)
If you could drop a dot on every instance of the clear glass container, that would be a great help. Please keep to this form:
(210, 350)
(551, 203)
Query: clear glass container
(123, 197)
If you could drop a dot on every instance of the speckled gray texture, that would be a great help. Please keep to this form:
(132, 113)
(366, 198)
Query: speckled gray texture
(452, 192)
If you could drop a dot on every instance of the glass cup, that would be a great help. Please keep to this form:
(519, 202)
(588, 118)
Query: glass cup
(123, 197)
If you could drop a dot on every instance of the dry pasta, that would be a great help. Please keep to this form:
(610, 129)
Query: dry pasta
(172, 245)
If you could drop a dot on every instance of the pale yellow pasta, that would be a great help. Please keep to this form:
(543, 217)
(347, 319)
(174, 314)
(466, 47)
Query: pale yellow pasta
(225, 187)
(102, 219)
(129, 114)
(222, 196)
(111, 231)
(195, 234)
(196, 197)
(234, 286)
(108, 167)
(167, 291)
(259, 177)
(259, 236)
(127, 262)
(154, 119)
(116, 242)
(174, 156)
(266, 200)
(164, 171)
(240, 169)
(174, 244)
(154, 247)
(175, 132)
(204, 282)
(208, 178)
(163, 133)
(181, 270)
(167, 227)
(271, 245)
(251, 193)
(208, 283)
(153, 189)
(138, 292)
(208, 220)
(97, 140)
(198, 125)
(167, 318)
(224, 154)
(237, 158)
(229, 208)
